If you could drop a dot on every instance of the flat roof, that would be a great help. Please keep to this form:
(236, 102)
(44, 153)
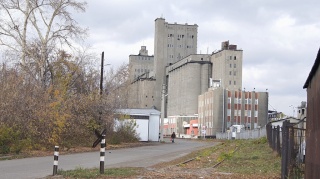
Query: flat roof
(135, 111)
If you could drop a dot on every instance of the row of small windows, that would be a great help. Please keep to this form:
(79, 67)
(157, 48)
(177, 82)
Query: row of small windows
(247, 113)
(232, 57)
(142, 70)
(180, 46)
(180, 36)
(236, 101)
(234, 73)
(246, 101)
(178, 57)
(144, 58)
(234, 82)
(234, 65)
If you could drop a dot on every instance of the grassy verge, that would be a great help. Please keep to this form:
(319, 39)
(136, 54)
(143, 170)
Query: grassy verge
(252, 157)
(95, 173)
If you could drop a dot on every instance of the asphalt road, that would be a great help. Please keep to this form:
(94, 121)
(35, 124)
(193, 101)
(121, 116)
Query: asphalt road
(145, 156)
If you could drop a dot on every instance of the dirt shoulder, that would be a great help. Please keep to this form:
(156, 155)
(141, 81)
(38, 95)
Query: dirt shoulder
(63, 151)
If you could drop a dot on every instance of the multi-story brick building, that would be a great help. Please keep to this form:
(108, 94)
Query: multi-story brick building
(221, 108)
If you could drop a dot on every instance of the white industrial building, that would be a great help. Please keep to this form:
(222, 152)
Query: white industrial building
(147, 122)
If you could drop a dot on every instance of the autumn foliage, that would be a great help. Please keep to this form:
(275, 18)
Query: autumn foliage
(64, 112)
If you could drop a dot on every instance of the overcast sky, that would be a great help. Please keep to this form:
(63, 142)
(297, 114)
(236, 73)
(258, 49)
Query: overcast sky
(280, 39)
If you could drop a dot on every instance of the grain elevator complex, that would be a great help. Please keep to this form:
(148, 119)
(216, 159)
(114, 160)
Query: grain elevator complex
(198, 94)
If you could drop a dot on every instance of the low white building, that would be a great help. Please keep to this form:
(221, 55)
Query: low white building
(147, 120)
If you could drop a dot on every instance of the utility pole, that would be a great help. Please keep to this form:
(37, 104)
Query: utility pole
(162, 111)
(101, 79)
(101, 88)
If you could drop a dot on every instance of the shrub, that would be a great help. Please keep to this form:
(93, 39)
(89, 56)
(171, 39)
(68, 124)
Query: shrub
(9, 140)
(125, 132)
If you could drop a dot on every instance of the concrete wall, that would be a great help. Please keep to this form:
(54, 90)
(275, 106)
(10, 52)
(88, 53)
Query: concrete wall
(187, 79)
(141, 93)
(210, 111)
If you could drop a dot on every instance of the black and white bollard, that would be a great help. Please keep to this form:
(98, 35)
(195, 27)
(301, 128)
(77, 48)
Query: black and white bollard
(102, 153)
(55, 158)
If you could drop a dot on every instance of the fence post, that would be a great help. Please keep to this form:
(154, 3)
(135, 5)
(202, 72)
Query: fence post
(278, 140)
(102, 153)
(274, 138)
(268, 134)
(284, 152)
(55, 160)
(291, 155)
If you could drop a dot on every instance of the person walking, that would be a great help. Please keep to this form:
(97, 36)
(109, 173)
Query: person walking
(173, 136)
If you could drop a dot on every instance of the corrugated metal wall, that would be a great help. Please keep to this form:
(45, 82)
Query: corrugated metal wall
(313, 128)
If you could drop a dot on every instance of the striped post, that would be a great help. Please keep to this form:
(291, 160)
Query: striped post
(55, 158)
(102, 153)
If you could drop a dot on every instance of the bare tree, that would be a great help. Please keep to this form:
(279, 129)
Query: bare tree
(117, 85)
(33, 28)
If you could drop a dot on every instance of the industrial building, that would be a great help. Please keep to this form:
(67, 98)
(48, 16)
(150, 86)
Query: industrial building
(202, 91)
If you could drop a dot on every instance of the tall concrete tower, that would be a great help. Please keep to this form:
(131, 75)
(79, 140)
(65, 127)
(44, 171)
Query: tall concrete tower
(227, 66)
(172, 43)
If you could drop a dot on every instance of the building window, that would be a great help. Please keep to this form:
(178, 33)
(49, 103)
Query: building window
(234, 73)
(229, 82)
(256, 101)
(234, 83)
(255, 113)
(230, 72)
(230, 57)
(235, 57)
(229, 112)
(249, 113)
(229, 100)
(235, 65)
(230, 65)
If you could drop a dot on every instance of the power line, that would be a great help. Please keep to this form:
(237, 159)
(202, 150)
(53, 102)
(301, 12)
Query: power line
(272, 107)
